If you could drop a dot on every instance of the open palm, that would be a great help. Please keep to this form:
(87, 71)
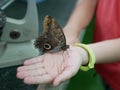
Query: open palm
(51, 67)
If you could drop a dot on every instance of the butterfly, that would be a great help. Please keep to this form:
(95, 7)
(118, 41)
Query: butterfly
(52, 39)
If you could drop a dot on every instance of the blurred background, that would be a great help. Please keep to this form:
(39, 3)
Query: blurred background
(60, 10)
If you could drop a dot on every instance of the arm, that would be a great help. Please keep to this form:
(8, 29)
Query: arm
(58, 68)
(106, 51)
(79, 19)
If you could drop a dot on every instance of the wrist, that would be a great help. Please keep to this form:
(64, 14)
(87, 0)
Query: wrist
(91, 57)
(84, 55)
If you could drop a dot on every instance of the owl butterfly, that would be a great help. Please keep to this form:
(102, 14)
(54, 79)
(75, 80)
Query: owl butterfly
(52, 39)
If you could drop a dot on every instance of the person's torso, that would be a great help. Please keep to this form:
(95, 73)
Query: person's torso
(107, 26)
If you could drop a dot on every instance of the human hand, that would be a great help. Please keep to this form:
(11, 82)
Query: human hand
(52, 67)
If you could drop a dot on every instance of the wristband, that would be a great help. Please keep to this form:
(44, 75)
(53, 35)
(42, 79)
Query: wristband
(91, 61)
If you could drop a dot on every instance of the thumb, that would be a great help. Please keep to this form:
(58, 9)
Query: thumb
(65, 75)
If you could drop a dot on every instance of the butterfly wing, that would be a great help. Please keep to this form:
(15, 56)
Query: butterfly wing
(52, 38)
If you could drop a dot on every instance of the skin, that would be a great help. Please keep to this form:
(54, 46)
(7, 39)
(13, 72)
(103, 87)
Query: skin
(57, 67)
(52, 67)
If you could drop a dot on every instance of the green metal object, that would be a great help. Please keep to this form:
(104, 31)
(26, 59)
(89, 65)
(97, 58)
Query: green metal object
(17, 38)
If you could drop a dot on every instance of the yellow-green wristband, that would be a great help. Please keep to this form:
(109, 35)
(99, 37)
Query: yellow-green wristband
(91, 57)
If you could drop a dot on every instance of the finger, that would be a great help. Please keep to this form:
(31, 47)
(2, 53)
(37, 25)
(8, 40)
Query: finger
(30, 67)
(36, 72)
(44, 79)
(34, 60)
(67, 74)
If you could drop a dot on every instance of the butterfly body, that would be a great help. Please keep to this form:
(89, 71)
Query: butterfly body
(52, 39)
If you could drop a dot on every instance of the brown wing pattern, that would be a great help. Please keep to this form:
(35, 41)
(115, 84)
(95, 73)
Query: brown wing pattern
(52, 39)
